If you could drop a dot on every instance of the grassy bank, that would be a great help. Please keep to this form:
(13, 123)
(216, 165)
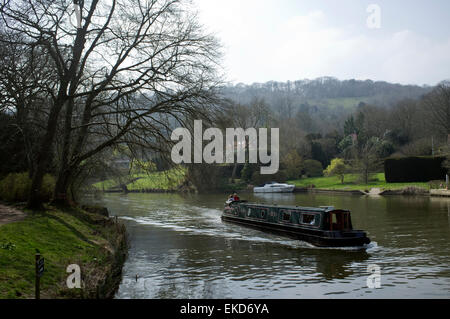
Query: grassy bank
(351, 183)
(94, 242)
(169, 180)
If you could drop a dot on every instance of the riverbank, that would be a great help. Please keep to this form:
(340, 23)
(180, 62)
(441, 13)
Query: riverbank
(351, 183)
(440, 192)
(173, 182)
(170, 181)
(95, 242)
(376, 186)
(157, 182)
(406, 191)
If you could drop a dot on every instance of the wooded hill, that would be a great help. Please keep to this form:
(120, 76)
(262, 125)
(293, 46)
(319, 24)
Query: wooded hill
(326, 91)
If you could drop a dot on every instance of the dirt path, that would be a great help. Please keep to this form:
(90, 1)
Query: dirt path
(9, 214)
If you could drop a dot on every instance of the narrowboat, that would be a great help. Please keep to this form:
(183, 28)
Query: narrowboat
(322, 226)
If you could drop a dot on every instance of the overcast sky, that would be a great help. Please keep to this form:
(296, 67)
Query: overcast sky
(297, 39)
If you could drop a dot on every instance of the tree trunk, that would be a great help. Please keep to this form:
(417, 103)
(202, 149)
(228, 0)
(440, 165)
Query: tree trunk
(35, 200)
(62, 183)
(233, 174)
(61, 187)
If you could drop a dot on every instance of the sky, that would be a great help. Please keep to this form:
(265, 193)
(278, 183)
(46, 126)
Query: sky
(399, 41)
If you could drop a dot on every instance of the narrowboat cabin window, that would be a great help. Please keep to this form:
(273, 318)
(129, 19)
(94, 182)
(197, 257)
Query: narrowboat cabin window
(285, 216)
(263, 213)
(309, 219)
(249, 212)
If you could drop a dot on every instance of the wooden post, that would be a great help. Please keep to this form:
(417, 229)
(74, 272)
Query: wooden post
(38, 279)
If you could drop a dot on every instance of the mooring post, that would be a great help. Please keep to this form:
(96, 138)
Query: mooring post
(38, 279)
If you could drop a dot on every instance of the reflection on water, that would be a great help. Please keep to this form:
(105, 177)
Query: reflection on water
(180, 248)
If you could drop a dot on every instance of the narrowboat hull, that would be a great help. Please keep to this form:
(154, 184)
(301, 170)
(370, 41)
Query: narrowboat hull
(315, 236)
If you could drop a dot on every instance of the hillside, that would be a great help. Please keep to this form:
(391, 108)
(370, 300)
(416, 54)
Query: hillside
(326, 92)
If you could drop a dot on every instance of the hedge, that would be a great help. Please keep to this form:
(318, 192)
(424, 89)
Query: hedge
(414, 169)
(313, 168)
(16, 187)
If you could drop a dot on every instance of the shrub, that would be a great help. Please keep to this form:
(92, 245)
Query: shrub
(48, 185)
(293, 173)
(437, 184)
(293, 163)
(15, 187)
(247, 171)
(139, 167)
(338, 168)
(313, 168)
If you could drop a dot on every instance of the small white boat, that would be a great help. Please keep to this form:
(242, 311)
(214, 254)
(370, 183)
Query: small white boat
(274, 188)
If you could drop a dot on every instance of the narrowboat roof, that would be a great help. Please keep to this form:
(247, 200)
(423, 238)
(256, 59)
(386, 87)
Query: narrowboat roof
(317, 209)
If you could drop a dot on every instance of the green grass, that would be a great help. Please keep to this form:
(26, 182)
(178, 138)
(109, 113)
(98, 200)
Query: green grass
(351, 183)
(106, 184)
(165, 180)
(345, 102)
(61, 238)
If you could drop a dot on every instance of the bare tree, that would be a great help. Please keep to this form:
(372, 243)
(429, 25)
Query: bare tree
(403, 117)
(366, 159)
(25, 78)
(437, 103)
(125, 67)
(252, 115)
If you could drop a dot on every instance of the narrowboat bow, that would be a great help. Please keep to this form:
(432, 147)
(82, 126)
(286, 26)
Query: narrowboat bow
(321, 226)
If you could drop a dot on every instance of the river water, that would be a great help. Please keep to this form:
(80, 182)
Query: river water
(180, 248)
